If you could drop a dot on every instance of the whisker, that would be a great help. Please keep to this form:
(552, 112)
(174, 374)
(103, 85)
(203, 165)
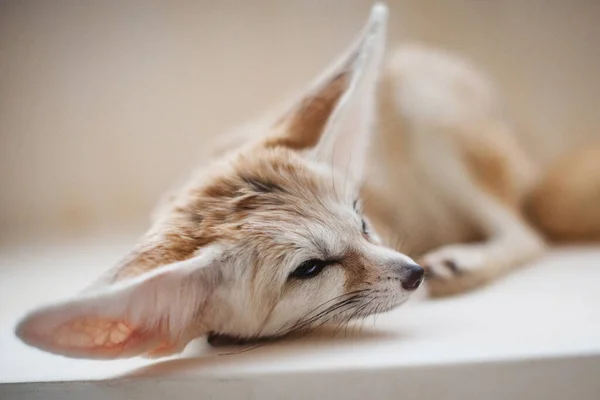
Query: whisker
(322, 314)
(345, 321)
(377, 310)
(304, 322)
(276, 338)
(354, 294)
(352, 316)
(373, 310)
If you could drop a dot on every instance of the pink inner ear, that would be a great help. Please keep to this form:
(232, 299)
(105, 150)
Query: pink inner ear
(91, 332)
(97, 334)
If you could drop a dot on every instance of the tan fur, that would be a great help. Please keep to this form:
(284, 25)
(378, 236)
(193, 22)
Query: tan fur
(301, 128)
(265, 239)
(447, 170)
(421, 138)
(492, 164)
(439, 124)
(566, 203)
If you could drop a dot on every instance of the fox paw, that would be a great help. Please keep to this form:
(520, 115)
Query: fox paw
(456, 268)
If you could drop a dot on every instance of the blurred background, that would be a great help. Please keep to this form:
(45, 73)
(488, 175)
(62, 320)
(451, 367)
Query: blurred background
(105, 104)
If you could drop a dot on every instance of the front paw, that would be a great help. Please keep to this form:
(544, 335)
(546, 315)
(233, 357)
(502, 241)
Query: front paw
(456, 268)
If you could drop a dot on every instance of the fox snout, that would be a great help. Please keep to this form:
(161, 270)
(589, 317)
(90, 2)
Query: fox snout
(409, 274)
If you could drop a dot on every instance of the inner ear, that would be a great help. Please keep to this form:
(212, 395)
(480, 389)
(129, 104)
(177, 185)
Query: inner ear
(88, 336)
(158, 312)
(302, 127)
(334, 119)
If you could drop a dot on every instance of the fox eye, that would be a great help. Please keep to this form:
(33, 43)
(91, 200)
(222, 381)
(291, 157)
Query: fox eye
(309, 269)
(364, 226)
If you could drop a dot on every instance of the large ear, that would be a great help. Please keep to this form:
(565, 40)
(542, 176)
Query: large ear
(334, 119)
(157, 312)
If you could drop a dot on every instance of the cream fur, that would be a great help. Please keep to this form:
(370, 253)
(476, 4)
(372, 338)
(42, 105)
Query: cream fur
(221, 252)
(420, 136)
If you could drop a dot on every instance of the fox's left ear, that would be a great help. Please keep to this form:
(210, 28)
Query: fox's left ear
(334, 120)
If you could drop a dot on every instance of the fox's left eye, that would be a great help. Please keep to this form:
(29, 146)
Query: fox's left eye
(309, 269)
(364, 226)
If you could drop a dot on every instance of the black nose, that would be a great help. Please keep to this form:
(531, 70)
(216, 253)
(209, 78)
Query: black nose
(413, 277)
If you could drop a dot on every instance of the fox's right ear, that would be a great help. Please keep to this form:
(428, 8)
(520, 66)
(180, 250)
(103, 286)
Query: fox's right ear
(334, 119)
(157, 312)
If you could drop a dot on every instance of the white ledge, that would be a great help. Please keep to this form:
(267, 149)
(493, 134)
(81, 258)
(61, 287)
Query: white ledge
(534, 334)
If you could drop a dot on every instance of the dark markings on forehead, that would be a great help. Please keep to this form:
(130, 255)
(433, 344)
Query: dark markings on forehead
(262, 185)
(196, 217)
(322, 248)
(255, 202)
(224, 188)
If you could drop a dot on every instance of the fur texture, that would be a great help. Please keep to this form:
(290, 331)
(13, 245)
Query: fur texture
(271, 236)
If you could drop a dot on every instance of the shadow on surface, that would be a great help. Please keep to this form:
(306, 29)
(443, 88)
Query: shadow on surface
(200, 355)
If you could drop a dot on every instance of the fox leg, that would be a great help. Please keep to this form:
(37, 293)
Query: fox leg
(509, 242)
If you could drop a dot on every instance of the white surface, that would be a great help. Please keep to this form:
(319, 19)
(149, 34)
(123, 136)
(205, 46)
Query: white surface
(535, 333)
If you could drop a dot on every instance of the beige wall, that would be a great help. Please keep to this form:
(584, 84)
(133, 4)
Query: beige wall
(103, 104)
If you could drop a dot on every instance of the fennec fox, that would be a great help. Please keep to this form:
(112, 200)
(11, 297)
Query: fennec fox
(314, 214)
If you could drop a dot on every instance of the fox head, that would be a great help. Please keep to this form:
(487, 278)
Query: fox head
(269, 239)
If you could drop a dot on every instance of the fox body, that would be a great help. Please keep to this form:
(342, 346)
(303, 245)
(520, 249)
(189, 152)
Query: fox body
(317, 213)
